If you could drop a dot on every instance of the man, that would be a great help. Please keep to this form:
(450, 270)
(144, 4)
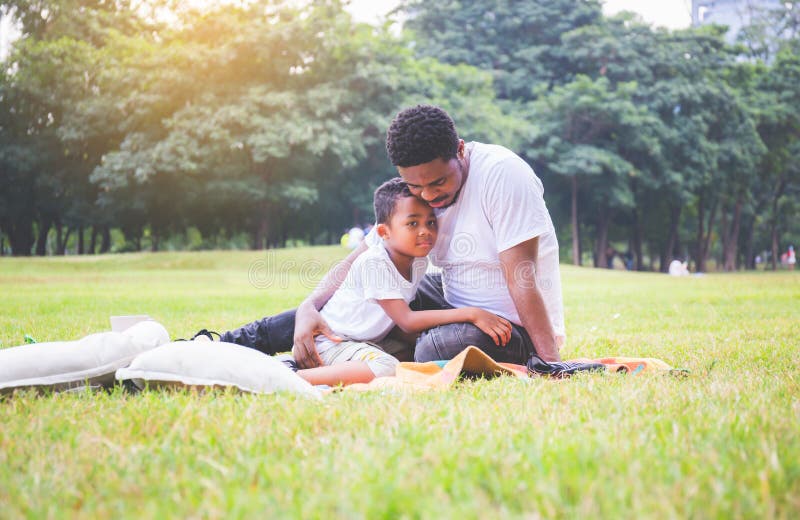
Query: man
(497, 250)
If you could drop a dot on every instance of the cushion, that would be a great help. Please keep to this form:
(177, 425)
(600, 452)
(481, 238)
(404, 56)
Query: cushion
(92, 360)
(214, 364)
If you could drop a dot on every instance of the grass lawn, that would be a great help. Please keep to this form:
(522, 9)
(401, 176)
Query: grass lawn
(721, 443)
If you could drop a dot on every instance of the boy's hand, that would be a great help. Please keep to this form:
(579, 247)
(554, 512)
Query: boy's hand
(308, 324)
(499, 329)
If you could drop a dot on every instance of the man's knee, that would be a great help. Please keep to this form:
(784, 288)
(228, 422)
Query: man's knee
(447, 341)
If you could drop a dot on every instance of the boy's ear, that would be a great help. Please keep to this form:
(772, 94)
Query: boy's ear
(382, 230)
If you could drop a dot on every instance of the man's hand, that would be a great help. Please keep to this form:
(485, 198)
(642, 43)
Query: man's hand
(309, 323)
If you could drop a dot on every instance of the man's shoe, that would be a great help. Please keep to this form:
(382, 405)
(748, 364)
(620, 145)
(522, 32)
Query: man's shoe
(537, 366)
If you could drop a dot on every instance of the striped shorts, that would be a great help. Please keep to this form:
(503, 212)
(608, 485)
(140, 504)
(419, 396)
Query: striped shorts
(381, 363)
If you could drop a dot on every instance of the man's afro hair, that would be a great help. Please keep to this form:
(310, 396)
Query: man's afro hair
(421, 134)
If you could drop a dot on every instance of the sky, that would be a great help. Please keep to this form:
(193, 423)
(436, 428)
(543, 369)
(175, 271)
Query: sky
(668, 13)
(673, 14)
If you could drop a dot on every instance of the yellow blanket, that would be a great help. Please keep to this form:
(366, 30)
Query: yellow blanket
(474, 362)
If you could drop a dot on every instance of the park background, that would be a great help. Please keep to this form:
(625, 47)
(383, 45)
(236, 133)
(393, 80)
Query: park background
(142, 125)
(165, 125)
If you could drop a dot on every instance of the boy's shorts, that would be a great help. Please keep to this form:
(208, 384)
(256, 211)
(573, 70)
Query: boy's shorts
(381, 363)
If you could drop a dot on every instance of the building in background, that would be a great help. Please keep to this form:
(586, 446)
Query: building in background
(733, 13)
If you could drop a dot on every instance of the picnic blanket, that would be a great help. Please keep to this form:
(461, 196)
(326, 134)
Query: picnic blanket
(473, 362)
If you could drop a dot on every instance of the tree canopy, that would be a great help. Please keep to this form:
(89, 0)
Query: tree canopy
(128, 124)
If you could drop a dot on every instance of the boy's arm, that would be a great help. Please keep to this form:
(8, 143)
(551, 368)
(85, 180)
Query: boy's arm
(499, 329)
(309, 322)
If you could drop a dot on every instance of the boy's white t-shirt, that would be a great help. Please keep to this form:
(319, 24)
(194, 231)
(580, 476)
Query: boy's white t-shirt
(353, 312)
(500, 206)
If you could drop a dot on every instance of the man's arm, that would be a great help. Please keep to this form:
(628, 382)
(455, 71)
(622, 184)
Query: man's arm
(519, 268)
(309, 322)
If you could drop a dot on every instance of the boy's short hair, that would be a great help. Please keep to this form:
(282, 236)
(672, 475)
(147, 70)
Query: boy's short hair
(421, 134)
(386, 197)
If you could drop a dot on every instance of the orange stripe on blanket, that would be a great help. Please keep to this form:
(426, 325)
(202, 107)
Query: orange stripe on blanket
(474, 362)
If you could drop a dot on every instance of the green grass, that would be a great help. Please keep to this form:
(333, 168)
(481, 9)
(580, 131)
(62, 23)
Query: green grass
(722, 443)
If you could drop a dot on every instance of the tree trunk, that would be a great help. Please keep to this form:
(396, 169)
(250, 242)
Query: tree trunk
(20, 237)
(636, 242)
(260, 234)
(41, 239)
(652, 251)
(80, 240)
(2, 245)
(732, 241)
(105, 244)
(724, 234)
(773, 224)
(775, 253)
(61, 239)
(749, 254)
(576, 249)
(701, 220)
(93, 241)
(601, 257)
(703, 237)
(154, 240)
(669, 252)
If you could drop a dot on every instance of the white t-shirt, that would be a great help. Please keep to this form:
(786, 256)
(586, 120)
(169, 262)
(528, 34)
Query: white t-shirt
(500, 205)
(353, 312)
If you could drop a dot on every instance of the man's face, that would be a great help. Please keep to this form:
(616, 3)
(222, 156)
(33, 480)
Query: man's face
(436, 182)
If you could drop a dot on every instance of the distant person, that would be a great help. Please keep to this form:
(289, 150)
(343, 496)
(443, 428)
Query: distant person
(791, 259)
(355, 237)
(628, 260)
(678, 268)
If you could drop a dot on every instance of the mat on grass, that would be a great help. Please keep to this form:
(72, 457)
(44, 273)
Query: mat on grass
(473, 362)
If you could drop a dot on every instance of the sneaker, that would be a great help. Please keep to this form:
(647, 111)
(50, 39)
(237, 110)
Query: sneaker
(537, 366)
(203, 335)
(288, 360)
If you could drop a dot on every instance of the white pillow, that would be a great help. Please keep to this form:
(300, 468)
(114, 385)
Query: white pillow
(62, 365)
(211, 363)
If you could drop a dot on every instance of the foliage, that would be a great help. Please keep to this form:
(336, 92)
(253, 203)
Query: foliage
(268, 118)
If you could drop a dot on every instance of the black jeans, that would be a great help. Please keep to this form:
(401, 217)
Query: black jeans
(270, 335)
(276, 333)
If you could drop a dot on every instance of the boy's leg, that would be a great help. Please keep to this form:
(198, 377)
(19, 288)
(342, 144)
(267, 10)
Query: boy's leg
(345, 373)
(381, 363)
(447, 341)
(270, 335)
(350, 362)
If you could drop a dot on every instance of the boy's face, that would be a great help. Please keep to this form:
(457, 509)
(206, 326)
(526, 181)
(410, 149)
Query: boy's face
(411, 230)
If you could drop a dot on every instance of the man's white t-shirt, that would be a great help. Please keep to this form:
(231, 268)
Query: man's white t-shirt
(353, 312)
(500, 205)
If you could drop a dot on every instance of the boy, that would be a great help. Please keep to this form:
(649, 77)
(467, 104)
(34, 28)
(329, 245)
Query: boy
(379, 286)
